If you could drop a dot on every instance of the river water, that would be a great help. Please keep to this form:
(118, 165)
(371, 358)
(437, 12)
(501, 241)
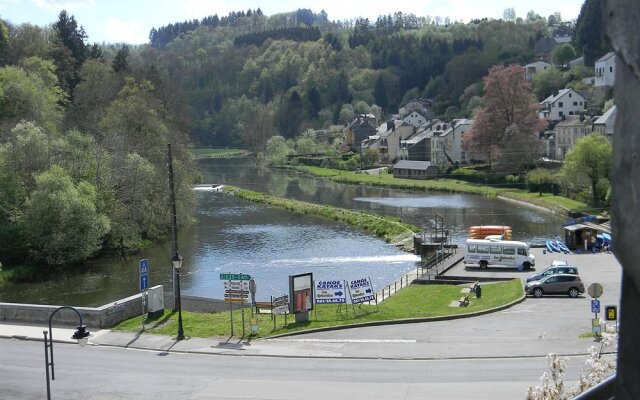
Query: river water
(235, 236)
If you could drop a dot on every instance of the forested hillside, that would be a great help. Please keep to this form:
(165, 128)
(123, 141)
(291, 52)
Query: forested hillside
(84, 128)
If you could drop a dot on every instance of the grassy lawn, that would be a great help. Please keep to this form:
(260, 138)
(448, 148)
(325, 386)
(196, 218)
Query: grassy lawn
(415, 301)
(204, 152)
(557, 204)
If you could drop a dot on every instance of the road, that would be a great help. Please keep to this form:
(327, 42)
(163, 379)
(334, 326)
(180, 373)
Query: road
(97, 372)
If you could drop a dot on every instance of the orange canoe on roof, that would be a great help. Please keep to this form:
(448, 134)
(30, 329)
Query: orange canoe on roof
(482, 231)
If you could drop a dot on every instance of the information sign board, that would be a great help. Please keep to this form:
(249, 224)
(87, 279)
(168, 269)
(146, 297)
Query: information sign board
(144, 266)
(361, 291)
(595, 306)
(234, 277)
(330, 292)
(280, 304)
(611, 313)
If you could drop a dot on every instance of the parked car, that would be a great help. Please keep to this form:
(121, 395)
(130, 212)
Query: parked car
(571, 285)
(553, 271)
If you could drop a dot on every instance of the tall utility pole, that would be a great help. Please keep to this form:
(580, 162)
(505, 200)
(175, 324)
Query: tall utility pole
(174, 223)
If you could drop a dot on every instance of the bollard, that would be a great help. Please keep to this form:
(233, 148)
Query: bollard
(478, 291)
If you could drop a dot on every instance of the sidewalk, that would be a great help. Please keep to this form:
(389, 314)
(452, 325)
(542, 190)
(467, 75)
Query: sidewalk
(445, 345)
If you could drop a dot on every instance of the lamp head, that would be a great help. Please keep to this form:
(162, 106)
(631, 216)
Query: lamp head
(81, 335)
(177, 261)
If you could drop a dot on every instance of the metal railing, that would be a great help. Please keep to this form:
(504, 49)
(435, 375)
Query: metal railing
(431, 267)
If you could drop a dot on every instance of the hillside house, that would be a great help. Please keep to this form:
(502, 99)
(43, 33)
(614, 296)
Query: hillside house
(446, 144)
(388, 139)
(414, 170)
(561, 104)
(568, 132)
(605, 124)
(533, 68)
(605, 77)
(415, 118)
(358, 130)
(543, 48)
(418, 146)
(422, 106)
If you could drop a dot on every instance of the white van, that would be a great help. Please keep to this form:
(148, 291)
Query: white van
(509, 253)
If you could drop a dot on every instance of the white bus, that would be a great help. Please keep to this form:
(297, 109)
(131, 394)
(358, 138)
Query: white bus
(485, 252)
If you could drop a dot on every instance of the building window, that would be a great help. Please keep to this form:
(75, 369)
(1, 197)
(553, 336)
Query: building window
(560, 104)
(569, 94)
(575, 103)
(560, 113)
(611, 69)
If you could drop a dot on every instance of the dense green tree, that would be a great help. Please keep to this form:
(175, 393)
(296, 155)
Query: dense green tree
(540, 177)
(380, 93)
(277, 150)
(62, 221)
(69, 51)
(120, 63)
(4, 43)
(547, 82)
(97, 88)
(589, 163)
(588, 34)
(562, 54)
(28, 40)
(27, 97)
(29, 151)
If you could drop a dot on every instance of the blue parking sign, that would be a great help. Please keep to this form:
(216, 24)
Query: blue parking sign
(144, 266)
(144, 282)
(595, 306)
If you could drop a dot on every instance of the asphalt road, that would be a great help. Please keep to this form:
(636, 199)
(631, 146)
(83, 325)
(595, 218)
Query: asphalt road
(114, 373)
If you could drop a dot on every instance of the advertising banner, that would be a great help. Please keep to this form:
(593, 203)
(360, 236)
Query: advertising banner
(330, 292)
(361, 291)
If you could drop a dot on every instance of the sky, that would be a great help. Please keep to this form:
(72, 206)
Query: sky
(129, 21)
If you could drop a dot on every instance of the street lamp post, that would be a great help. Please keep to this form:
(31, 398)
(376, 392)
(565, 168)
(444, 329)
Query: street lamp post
(81, 335)
(177, 264)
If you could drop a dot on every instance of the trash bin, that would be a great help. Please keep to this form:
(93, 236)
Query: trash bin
(478, 292)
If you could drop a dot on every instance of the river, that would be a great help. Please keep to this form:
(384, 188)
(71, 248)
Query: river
(234, 236)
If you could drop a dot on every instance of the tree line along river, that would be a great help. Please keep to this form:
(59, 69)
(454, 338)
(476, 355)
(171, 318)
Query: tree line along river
(236, 236)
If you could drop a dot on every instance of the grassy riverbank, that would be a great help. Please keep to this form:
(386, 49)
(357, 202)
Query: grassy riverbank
(550, 202)
(205, 152)
(390, 229)
(407, 303)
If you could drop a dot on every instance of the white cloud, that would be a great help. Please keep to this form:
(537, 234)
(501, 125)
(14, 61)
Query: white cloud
(59, 5)
(119, 31)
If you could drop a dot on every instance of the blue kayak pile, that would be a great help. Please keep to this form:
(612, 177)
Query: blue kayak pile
(556, 246)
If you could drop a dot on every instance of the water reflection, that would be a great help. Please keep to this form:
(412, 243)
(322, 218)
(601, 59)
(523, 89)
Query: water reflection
(232, 235)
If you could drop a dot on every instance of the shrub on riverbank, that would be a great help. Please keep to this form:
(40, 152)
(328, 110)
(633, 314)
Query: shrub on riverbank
(407, 303)
(389, 228)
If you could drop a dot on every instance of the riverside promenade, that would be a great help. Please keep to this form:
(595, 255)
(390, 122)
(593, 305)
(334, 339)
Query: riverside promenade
(532, 328)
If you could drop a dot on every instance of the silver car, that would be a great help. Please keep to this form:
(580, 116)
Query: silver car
(571, 285)
(554, 270)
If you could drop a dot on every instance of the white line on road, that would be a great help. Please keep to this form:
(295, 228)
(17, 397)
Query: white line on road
(345, 340)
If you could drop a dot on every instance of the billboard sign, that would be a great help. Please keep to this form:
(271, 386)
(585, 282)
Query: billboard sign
(301, 294)
(361, 290)
(330, 292)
